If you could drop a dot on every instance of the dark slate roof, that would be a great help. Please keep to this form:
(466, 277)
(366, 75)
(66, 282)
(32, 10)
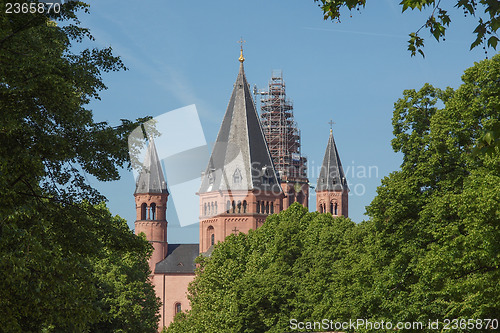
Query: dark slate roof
(331, 176)
(151, 178)
(208, 252)
(240, 159)
(180, 259)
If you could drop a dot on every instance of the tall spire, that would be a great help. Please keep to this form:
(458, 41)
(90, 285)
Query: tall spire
(331, 177)
(240, 159)
(151, 178)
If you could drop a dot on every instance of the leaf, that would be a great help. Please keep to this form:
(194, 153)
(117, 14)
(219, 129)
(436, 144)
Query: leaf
(489, 138)
(495, 24)
(492, 42)
(475, 43)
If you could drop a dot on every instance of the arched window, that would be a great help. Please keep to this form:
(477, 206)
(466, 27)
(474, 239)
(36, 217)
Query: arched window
(321, 208)
(215, 206)
(258, 207)
(144, 207)
(153, 211)
(212, 208)
(239, 206)
(234, 207)
(272, 208)
(336, 209)
(178, 307)
(244, 206)
(211, 235)
(331, 207)
(205, 208)
(228, 206)
(267, 207)
(263, 207)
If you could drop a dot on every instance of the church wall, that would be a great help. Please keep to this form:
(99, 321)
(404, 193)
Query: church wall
(171, 289)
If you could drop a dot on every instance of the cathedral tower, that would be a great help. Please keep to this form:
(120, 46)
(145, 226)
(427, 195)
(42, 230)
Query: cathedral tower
(283, 138)
(151, 197)
(332, 190)
(240, 187)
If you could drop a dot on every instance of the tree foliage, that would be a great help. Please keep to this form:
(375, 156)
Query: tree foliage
(126, 301)
(440, 213)
(53, 239)
(487, 13)
(431, 249)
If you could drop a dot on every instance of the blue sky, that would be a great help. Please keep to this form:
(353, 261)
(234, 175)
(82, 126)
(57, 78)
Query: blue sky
(181, 53)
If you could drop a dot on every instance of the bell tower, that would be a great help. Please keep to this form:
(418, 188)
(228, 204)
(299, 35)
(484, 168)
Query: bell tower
(240, 187)
(332, 190)
(151, 197)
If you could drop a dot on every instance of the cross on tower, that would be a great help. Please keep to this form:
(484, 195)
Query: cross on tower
(331, 122)
(241, 41)
(235, 230)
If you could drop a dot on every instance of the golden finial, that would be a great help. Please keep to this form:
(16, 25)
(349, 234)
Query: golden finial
(241, 58)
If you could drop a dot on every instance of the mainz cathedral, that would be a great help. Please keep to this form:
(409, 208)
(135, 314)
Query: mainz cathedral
(255, 169)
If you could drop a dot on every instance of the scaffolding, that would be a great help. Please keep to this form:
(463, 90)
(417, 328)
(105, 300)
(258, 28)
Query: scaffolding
(281, 132)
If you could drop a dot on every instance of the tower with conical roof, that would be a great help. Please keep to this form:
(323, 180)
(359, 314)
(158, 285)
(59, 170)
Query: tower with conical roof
(331, 189)
(151, 197)
(240, 187)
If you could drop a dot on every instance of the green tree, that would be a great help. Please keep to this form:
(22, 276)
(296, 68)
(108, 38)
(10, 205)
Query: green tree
(437, 219)
(438, 21)
(51, 234)
(125, 299)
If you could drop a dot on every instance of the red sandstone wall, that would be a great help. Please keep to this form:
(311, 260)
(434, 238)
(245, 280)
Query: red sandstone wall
(339, 197)
(171, 289)
(224, 223)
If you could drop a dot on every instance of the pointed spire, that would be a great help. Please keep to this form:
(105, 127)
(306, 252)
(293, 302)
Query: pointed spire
(151, 178)
(240, 159)
(331, 177)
